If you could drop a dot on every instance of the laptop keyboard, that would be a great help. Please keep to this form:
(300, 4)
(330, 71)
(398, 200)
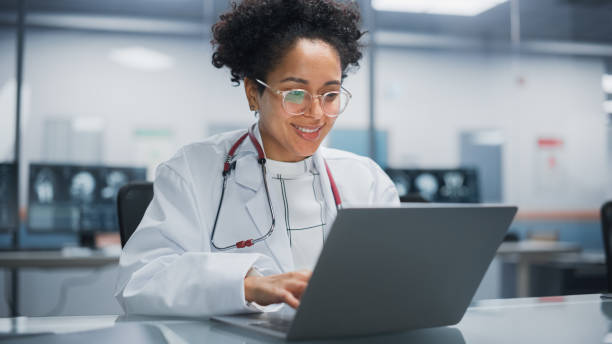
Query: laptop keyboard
(276, 324)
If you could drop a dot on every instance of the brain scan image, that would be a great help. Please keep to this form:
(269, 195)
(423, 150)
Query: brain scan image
(402, 184)
(114, 181)
(427, 184)
(44, 186)
(453, 185)
(82, 187)
(71, 197)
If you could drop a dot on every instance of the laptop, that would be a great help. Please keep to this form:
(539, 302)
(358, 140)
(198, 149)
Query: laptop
(387, 270)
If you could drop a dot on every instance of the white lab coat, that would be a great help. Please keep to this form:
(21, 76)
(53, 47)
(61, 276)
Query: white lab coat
(169, 267)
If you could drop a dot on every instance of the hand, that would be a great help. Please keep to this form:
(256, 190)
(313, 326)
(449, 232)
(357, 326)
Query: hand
(287, 288)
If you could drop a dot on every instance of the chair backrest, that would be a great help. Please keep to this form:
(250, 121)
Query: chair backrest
(606, 230)
(132, 202)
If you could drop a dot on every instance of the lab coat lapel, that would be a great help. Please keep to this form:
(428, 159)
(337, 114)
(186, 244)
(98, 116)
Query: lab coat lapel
(248, 174)
(330, 203)
(278, 242)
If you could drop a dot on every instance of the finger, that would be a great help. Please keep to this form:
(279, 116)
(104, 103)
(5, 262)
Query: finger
(296, 287)
(303, 275)
(291, 300)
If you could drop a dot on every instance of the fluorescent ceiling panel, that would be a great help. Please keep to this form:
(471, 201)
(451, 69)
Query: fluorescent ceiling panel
(447, 7)
(141, 58)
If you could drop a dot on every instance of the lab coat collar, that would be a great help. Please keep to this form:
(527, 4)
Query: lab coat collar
(248, 172)
(278, 243)
(249, 175)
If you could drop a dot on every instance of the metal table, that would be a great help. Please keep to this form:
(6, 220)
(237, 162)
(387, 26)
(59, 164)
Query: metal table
(526, 253)
(573, 319)
(60, 259)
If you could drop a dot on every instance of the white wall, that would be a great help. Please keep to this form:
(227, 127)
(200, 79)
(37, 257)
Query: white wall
(426, 98)
(70, 75)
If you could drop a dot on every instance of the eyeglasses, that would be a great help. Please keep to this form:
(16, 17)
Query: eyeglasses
(297, 101)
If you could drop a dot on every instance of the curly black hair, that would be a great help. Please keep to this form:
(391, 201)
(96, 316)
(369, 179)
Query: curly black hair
(253, 36)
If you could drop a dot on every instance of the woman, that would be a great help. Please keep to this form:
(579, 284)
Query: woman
(208, 243)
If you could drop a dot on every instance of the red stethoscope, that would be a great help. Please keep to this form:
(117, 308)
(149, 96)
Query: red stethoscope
(228, 166)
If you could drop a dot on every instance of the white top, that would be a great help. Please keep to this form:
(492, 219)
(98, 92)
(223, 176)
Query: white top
(295, 190)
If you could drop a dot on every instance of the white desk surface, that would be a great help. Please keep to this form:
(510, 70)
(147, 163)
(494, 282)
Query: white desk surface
(537, 247)
(572, 319)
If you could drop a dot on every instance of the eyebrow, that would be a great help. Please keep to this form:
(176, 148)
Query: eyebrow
(305, 82)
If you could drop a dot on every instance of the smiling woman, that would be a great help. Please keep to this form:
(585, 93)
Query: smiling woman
(306, 45)
(312, 65)
(238, 220)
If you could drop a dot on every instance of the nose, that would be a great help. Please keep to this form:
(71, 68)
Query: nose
(315, 110)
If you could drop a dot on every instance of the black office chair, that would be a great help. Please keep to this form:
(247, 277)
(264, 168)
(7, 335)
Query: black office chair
(132, 202)
(606, 230)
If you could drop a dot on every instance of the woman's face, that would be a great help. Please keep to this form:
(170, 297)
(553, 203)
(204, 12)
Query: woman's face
(311, 65)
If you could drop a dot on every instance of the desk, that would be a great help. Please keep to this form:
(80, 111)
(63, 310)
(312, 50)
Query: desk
(572, 319)
(57, 259)
(525, 253)
(71, 258)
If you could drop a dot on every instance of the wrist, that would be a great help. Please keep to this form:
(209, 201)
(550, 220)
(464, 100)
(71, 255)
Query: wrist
(248, 288)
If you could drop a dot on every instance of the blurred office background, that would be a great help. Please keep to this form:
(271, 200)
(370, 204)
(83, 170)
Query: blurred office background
(512, 98)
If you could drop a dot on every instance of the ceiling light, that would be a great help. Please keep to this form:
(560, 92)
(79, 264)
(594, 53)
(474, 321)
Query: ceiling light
(141, 58)
(447, 7)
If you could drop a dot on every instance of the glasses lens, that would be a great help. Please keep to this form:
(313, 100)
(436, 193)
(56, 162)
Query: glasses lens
(335, 102)
(296, 101)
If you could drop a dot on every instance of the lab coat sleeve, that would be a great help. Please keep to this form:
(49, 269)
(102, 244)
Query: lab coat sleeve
(166, 268)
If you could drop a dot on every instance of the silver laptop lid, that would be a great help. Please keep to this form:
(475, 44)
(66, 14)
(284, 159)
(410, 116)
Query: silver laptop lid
(393, 269)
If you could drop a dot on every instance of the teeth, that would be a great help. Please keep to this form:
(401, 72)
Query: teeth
(304, 130)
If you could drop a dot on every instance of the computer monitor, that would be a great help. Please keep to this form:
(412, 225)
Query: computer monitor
(458, 185)
(76, 198)
(8, 197)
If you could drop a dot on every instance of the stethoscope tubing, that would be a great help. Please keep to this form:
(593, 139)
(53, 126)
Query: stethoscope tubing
(227, 167)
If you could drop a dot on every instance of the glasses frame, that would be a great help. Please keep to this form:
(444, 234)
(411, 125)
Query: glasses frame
(284, 93)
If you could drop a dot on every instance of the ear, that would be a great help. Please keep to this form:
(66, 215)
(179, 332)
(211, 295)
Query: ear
(252, 94)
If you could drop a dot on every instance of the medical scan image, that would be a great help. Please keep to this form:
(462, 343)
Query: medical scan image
(436, 185)
(82, 187)
(454, 185)
(44, 185)
(114, 181)
(76, 198)
(427, 185)
(402, 184)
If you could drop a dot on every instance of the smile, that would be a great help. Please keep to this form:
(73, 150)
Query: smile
(307, 130)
